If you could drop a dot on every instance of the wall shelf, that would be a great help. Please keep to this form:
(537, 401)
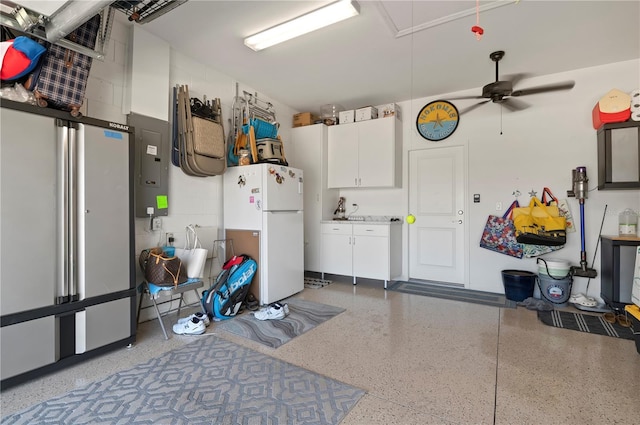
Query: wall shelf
(619, 156)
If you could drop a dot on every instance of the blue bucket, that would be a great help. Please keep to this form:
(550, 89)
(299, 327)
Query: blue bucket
(518, 284)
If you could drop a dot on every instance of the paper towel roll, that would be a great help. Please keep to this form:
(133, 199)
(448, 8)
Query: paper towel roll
(635, 101)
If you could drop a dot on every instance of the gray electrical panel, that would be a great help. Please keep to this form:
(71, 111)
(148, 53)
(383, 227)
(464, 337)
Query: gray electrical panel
(152, 156)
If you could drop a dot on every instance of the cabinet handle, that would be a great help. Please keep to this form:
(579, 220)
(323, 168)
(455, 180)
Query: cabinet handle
(359, 182)
(355, 181)
(354, 240)
(349, 240)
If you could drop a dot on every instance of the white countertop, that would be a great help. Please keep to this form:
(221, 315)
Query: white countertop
(372, 222)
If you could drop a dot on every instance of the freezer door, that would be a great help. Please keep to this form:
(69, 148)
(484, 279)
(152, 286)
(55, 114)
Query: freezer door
(104, 211)
(243, 197)
(282, 259)
(282, 188)
(29, 215)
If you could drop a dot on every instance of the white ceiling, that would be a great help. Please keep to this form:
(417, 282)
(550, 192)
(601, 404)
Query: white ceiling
(361, 62)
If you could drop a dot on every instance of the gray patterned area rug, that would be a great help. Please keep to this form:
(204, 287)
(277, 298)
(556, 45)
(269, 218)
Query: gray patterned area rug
(303, 316)
(211, 381)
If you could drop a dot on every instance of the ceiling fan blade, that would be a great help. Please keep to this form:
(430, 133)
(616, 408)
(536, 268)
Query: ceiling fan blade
(472, 107)
(464, 97)
(513, 104)
(566, 85)
(515, 78)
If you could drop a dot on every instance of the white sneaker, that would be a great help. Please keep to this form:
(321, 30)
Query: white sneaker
(194, 326)
(285, 307)
(199, 315)
(273, 312)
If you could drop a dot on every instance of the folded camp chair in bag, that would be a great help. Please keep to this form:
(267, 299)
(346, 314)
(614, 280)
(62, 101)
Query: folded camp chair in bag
(202, 143)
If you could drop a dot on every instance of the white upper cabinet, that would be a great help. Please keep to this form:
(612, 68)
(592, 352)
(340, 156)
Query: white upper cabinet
(365, 154)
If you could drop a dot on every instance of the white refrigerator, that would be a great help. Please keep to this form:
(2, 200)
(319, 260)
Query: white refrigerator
(264, 203)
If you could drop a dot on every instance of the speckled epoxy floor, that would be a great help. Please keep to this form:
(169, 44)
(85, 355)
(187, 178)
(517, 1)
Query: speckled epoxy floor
(423, 361)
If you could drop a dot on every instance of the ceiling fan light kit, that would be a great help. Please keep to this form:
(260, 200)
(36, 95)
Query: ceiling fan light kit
(319, 18)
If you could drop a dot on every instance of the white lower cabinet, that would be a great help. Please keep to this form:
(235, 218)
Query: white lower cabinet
(369, 251)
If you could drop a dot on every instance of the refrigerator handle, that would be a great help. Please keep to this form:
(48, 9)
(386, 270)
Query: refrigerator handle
(62, 209)
(81, 212)
(72, 213)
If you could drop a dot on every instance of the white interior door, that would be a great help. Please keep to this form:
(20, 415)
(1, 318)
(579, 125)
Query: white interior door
(436, 198)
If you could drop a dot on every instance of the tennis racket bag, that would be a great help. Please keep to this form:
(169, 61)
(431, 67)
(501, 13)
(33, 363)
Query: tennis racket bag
(225, 297)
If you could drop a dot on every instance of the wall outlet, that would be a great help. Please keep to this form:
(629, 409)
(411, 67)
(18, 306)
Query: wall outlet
(169, 240)
(156, 223)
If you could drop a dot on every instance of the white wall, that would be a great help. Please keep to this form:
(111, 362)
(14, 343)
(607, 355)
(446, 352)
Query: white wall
(539, 147)
(192, 200)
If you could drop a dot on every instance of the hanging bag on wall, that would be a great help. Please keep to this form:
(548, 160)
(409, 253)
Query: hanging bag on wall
(539, 224)
(499, 234)
(563, 208)
(193, 255)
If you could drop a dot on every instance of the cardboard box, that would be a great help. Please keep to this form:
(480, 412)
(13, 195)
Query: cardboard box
(366, 113)
(304, 118)
(389, 110)
(346, 117)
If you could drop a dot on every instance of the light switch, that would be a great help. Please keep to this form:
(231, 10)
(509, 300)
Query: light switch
(476, 198)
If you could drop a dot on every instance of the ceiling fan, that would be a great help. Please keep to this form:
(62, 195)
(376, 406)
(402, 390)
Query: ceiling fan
(502, 91)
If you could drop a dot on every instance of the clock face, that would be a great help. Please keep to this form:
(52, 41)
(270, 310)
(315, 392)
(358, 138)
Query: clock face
(437, 120)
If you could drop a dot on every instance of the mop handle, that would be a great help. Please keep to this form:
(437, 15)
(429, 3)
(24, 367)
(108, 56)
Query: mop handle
(582, 225)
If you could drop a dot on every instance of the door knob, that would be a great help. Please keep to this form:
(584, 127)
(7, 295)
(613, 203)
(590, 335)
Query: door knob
(459, 221)
(460, 212)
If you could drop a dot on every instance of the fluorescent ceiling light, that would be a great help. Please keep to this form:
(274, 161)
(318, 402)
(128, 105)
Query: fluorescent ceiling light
(319, 18)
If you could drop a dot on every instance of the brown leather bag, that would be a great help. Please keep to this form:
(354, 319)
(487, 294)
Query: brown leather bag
(160, 269)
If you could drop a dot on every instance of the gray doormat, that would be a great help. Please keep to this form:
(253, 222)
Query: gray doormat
(211, 381)
(455, 294)
(590, 323)
(303, 316)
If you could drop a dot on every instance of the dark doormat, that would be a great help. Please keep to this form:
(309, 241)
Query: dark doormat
(455, 294)
(589, 323)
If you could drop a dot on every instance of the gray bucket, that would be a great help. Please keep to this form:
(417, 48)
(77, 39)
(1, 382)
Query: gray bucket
(556, 290)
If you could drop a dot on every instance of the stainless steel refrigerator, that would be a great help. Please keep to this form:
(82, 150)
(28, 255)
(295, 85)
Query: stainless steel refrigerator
(67, 270)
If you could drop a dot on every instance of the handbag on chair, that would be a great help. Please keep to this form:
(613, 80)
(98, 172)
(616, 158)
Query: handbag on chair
(162, 270)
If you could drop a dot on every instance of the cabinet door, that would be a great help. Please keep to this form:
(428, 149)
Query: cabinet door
(309, 143)
(371, 251)
(29, 212)
(104, 213)
(343, 156)
(376, 154)
(336, 248)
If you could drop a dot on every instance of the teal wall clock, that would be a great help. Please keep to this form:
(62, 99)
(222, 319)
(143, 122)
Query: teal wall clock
(437, 120)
